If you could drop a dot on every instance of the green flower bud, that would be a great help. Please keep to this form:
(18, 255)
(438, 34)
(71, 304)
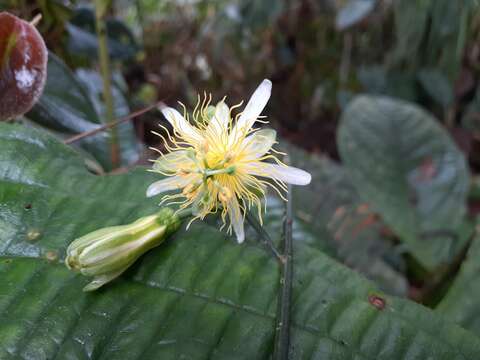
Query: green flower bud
(108, 252)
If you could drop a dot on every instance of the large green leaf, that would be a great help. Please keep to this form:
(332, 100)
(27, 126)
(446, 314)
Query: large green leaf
(408, 168)
(200, 295)
(462, 303)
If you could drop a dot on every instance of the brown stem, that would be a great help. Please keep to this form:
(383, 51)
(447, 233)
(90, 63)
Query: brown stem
(113, 123)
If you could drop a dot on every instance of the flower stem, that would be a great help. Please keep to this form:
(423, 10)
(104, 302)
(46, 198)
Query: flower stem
(282, 328)
(104, 58)
(266, 239)
(184, 214)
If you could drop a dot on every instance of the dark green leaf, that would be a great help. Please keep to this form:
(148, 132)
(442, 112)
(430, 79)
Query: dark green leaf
(437, 86)
(83, 39)
(129, 145)
(411, 24)
(79, 110)
(66, 111)
(471, 117)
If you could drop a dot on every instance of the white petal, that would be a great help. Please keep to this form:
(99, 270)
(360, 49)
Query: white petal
(236, 218)
(219, 122)
(179, 123)
(254, 107)
(288, 174)
(171, 161)
(258, 144)
(170, 183)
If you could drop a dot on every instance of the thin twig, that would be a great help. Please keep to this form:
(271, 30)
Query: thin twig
(282, 328)
(266, 239)
(113, 123)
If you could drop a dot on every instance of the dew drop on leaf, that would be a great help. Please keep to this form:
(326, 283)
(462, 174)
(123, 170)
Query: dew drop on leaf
(33, 235)
(23, 66)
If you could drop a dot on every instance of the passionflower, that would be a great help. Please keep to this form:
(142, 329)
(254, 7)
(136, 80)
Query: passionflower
(217, 164)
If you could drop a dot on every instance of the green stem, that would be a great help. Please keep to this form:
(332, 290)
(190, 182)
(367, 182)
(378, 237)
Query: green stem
(100, 11)
(266, 239)
(184, 214)
(282, 328)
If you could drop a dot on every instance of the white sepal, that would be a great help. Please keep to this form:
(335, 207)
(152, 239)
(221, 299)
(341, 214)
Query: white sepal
(170, 183)
(287, 174)
(259, 143)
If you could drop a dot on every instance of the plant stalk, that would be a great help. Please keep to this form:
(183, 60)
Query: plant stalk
(104, 59)
(264, 237)
(282, 328)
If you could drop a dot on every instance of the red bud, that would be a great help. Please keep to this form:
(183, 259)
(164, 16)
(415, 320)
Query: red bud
(23, 66)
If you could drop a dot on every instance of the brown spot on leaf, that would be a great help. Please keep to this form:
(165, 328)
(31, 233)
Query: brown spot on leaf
(377, 301)
(427, 170)
(51, 255)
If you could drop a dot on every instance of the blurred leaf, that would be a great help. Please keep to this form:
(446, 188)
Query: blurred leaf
(70, 108)
(353, 12)
(471, 117)
(333, 209)
(462, 303)
(129, 146)
(376, 79)
(259, 14)
(437, 86)
(83, 38)
(407, 167)
(200, 295)
(411, 22)
(444, 35)
(373, 79)
(54, 11)
(65, 105)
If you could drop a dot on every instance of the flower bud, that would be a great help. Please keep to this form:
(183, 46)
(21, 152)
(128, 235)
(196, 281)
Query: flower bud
(108, 252)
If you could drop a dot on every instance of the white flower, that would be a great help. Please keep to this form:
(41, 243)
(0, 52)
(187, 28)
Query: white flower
(220, 165)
